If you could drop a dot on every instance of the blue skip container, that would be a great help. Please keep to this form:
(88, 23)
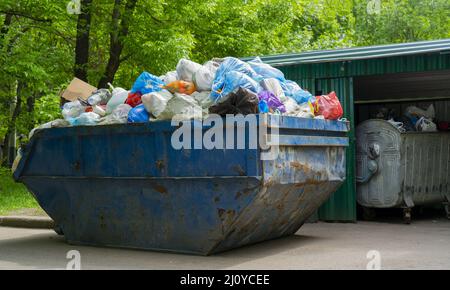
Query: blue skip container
(127, 186)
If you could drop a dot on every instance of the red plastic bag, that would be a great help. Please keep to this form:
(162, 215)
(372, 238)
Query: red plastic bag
(328, 106)
(134, 99)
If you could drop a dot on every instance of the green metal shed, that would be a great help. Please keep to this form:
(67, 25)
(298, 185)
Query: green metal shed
(420, 70)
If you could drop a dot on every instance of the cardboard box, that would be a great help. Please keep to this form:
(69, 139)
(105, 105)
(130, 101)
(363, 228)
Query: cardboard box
(78, 89)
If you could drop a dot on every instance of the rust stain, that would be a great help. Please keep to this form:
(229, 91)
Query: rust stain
(160, 189)
(299, 166)
(160, 164)
(239, 170)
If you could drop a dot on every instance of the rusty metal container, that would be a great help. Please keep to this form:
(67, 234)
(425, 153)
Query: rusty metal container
(126, 186)
(401, 169)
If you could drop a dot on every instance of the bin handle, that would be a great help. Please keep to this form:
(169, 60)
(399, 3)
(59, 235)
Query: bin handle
(373, 154)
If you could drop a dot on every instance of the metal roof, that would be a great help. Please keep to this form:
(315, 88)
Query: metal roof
(358, 53)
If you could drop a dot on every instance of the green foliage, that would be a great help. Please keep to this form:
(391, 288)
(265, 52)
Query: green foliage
(13, 196)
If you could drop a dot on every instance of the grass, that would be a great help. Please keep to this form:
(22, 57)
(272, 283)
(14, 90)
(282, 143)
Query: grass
(14, 197)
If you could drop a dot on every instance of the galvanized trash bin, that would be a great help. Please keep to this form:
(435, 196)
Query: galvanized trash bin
(126, 186)
(401, 169)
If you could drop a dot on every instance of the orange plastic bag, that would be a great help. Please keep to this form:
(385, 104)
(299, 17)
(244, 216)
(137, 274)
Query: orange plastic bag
(181, 87)
(329, 107)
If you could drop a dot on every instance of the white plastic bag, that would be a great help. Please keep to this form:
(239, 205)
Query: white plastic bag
(155, 103)
(203, 99)
(293, 109)
(204, 77)
(169, 77)
(181, 107)
(58, 123)
(118, 116)
(119, 97)
(85, 119)
(417, 112)
(72, 110)
(186, 69)
(398, 125)
(426, 125)
(273, 85)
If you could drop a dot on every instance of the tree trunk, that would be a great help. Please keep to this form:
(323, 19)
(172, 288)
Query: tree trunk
(119, 32)
(82, 42)
(5, 28)
(7, 150)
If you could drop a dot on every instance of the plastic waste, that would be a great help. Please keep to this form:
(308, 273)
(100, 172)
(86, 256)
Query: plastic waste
(328, 106)
(138, 115)
(204, 77)
(181, 107)
(293, 90)
(413, 111)
(203, 99)
(147, 83)
(118, 116)
(242, 102)
(134, 99)
(275, 105)
(186, 69)
(425, 125)
(58, 123)
(181, 87)
(119, 96)
(85, 119)
(230, 83)
(273, 85)
(231, 64)
(265, 70)
(306, 110)
(263, 107)
(399, 125)
(73, 109)
(99, 97)
(155, 103)
(169, 77)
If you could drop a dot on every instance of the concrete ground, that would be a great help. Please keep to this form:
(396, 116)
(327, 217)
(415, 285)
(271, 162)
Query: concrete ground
(423, 245)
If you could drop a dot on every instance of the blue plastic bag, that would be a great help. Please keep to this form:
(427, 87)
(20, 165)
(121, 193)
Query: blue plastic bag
(263, 106)
(147, 83)
(272, 101)
(293, 90)
(233, 64)
(230, 83)
(266, 71)
(138, 115)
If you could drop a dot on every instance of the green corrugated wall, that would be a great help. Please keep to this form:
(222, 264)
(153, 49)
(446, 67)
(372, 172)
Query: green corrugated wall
(338, 76)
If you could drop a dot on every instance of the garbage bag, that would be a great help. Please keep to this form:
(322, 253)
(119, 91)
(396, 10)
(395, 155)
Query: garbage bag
(169, 77)
(425, 125)
(58, 123)
(263, 107)
(273, 85)
(73, 109)
(230, 64)
(204, 77)
(155, 103)
(186, 69)
(85, 119)
(241, 102)
(181, 107)
(293, 90)
(99, 97)
(119, 96)
(181, 87)
(118, 116)
(328, 106)
(275, 105)
(413, 111)
(230, 83)
(147, 83)
(134, 99)
(203, 100)
(265, 70)
(138, 115)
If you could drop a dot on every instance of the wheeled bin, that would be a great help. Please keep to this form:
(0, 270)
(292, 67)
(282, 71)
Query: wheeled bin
(401, 170)
(128, 186)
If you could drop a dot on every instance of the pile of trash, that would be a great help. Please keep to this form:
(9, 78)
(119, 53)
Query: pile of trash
(220, 86)
(414, 119)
